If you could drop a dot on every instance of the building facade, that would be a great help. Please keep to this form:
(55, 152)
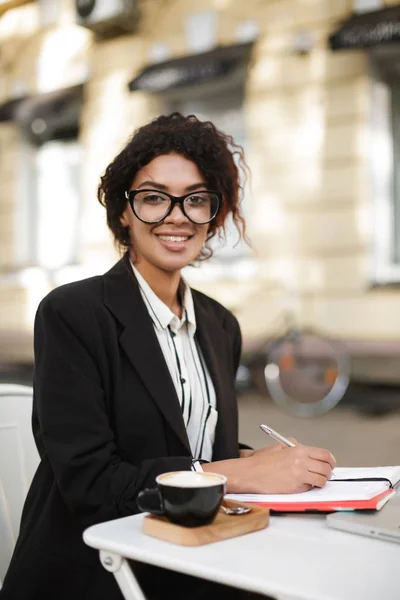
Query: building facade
(313, 97)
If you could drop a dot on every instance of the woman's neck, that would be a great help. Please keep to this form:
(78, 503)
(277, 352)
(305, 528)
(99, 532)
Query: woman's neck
(165, 284)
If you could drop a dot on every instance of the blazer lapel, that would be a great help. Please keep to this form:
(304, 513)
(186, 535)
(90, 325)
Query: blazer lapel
(214, 344)
(139, 341)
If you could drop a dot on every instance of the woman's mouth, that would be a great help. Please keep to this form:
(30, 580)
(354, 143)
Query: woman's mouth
(174, 242)
(174, 238)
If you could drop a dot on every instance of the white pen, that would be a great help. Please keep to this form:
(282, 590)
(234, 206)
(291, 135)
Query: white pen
(277, 436)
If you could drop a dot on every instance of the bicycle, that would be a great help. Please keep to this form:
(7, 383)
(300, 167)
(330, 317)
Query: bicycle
(304, 372)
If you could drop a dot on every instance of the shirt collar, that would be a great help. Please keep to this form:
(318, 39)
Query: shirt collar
(161, 315)
(188, 307)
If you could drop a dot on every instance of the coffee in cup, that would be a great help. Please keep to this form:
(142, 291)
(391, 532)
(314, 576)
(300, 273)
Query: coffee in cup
(187, 498)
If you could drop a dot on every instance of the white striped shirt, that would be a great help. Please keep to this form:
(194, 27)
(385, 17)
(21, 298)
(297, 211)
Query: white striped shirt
(187, 367)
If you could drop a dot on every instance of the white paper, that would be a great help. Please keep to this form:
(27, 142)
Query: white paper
(333, 491)
(391, 473)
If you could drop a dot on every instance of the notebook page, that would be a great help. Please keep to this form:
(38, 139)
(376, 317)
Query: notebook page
(391, 473)
(332, 492)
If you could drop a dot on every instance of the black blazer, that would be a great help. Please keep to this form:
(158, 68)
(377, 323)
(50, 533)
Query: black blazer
(107, 421)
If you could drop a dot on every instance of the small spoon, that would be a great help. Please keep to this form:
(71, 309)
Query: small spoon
(236, 510)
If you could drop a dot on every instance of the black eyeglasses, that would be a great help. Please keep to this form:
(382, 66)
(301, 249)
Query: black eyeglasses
(152, 206)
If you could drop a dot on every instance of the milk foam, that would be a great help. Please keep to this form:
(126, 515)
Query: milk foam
(192, 479)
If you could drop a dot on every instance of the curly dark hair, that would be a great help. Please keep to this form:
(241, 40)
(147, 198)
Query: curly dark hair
(199, 141)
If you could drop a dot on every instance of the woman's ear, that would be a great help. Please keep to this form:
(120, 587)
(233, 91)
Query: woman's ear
(124, 219)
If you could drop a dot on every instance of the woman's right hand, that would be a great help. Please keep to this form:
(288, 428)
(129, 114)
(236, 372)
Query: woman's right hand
(277, 470)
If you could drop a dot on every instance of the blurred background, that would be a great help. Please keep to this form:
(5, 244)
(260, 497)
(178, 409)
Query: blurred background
(311, 89)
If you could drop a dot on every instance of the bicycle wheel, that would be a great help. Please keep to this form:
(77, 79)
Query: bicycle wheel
(306, 374)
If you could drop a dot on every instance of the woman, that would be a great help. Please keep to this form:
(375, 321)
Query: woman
(135, 372)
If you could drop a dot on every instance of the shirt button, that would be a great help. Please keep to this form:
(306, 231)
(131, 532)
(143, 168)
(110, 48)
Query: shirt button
(183, 380)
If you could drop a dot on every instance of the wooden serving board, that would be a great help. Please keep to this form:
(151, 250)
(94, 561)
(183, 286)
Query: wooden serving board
(222, 528)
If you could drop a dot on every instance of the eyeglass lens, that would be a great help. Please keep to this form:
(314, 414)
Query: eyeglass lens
(152, 206)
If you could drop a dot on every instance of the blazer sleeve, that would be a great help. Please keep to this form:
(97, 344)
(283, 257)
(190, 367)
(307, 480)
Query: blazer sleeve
(237, 352)
(74, 427)
(237, 345)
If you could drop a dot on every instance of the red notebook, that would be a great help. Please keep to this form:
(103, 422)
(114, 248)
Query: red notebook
(374, 503)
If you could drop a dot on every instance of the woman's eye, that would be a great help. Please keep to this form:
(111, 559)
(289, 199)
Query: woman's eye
(196, 200)
(154, 198)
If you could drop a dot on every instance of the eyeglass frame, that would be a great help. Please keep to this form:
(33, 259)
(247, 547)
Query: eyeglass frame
(130, 196)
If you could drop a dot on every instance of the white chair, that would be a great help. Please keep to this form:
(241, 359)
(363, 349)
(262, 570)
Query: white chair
(19, 459)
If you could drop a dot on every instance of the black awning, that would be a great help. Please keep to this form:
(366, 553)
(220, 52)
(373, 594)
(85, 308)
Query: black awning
(8, 109)
(368, 29)
(191, 70)
(51, 116)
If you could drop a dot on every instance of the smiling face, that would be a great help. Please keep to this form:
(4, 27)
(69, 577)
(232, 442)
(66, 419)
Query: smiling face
(175, 242)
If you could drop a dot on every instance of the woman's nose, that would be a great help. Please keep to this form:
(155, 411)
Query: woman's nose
(176, 215)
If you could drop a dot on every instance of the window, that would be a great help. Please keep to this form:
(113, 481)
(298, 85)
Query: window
(385, 163)
(49, 204)
(57, 204)
(49, 179)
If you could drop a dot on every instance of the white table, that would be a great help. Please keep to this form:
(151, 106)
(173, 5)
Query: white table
(295, 558)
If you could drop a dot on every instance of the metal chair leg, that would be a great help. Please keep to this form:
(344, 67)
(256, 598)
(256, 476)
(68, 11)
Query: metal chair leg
(114, 563)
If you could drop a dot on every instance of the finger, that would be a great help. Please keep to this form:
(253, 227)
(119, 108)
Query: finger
(315, 479)
(303, 487)
(246, 452)
(319, 467)
(276, 447)
(282, 445)
(265, 451)
(322, 454)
